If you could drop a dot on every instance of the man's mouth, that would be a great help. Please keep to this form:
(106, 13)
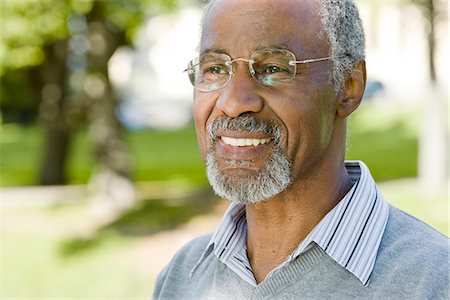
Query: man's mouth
(242, 142)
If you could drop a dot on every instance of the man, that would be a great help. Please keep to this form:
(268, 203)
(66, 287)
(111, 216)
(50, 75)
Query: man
(273, 86)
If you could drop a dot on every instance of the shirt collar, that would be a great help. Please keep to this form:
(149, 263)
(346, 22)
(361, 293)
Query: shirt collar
(350, 233)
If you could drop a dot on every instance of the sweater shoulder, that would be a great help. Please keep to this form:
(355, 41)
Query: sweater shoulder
(414, 256)
(408, 237)
(196, 245)
(405, 230)
(180, 266)
(190, 253)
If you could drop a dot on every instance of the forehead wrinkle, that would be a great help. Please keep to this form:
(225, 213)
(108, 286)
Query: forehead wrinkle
(265, 28)
(282, 46)
(203, 52)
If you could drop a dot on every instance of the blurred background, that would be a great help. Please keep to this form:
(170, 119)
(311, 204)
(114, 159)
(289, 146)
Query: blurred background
(101, 179)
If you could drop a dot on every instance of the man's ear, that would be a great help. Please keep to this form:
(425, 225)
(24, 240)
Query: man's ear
(353, 91)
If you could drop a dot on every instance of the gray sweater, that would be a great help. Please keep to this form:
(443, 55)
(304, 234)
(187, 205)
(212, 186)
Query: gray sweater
(412, 263)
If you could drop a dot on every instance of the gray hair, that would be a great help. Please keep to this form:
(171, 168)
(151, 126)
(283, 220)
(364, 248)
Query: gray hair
(345, 33)
(343, 26)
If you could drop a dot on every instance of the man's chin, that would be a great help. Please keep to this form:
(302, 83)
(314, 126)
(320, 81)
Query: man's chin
(246, 185)
(240, 173)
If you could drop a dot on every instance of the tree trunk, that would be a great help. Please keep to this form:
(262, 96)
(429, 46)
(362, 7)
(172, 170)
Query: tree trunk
(431, 40)
(53, 114)
(53, 171)
(111, 188)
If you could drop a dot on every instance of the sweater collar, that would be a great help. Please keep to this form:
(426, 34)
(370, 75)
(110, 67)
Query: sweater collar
(350, 233)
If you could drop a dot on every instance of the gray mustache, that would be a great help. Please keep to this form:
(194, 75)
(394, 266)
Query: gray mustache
(244, 123)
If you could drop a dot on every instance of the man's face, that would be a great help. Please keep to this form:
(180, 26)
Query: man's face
(290, 125)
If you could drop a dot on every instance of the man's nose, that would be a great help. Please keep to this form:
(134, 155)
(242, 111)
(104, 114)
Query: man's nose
(240, 94)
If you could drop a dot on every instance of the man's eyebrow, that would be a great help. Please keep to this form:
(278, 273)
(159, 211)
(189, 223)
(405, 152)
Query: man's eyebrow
(274, 46)
(209, 50)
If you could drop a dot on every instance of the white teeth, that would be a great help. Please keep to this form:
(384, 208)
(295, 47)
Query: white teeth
(244, 142)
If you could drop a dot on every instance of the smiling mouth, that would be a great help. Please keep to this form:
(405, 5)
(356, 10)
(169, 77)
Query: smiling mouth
(242, 142)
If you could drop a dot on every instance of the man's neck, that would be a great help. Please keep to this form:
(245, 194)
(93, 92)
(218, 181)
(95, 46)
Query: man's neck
(277, 226)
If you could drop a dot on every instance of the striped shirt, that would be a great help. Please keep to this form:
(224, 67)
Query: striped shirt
(350, 233)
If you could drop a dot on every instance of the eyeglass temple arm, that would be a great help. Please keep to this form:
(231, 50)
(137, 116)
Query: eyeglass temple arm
(294, 62)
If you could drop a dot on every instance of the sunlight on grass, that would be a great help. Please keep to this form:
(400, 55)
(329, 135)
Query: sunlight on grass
(44, 253)
(35, 267)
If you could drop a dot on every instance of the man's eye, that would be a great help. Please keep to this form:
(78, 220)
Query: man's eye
(215, 70)
(272, 69)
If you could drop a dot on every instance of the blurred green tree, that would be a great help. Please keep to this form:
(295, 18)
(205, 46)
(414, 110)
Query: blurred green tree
(34, 45)
(55, 53)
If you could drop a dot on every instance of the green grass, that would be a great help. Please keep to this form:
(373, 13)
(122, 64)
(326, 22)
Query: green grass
(33, 268)
(19, 154)
(166, 155)
(385, 138)
(157, 155)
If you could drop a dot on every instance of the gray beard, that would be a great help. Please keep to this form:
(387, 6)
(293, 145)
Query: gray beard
(270, 181)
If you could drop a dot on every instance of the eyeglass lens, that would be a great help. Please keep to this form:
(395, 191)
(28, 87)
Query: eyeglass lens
(270, 67)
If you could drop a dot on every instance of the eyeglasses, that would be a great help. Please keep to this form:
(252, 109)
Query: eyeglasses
(270, 67)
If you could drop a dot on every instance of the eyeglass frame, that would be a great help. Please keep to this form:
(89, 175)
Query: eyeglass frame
(190, 70)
